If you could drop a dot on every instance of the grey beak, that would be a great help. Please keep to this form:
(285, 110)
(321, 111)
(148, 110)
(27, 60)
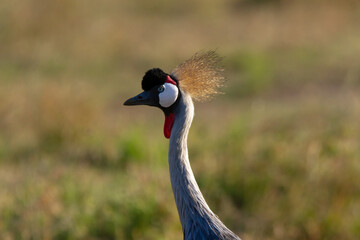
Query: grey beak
(144, 98)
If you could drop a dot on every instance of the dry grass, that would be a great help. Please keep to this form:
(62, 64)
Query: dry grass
(280, 160)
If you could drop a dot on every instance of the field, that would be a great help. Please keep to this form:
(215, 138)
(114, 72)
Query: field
(277, 156)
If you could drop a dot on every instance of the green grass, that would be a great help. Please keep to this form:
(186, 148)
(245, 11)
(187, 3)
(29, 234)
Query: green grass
(269, 172)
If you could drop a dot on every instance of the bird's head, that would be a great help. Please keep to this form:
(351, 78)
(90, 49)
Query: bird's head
(160, 90)
(200, 77)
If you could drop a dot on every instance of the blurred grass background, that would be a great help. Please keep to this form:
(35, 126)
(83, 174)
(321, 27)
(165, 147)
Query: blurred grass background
(277, 156)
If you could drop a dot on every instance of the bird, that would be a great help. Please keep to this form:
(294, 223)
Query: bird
(199, 78)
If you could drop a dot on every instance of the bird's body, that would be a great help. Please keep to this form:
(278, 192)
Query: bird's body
(164, 91)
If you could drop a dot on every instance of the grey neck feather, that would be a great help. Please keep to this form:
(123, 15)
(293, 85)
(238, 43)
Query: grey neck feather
(197, 220)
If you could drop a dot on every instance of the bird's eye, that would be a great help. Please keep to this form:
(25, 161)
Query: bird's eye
(161, 88)
(168, 94)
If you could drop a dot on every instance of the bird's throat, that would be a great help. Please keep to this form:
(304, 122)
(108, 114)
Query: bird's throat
(169, 122)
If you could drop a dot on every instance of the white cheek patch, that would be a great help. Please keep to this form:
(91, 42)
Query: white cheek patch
(169, 95)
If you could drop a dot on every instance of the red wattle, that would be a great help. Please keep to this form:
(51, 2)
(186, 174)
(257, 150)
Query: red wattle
(169, 121)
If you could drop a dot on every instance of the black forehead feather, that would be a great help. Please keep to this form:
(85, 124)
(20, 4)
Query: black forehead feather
(153, 77)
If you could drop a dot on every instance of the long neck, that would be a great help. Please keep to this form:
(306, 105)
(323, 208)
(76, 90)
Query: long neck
(197, 220)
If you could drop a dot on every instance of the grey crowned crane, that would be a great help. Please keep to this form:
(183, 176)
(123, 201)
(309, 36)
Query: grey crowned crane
(197, 78)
